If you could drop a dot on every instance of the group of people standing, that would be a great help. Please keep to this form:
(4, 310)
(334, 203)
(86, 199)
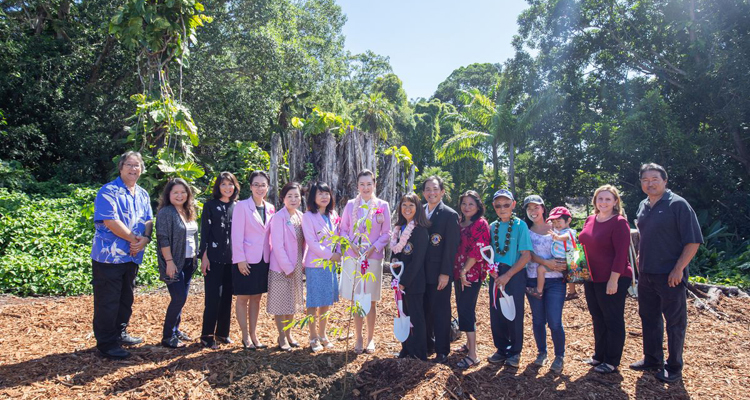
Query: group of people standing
(247, 248)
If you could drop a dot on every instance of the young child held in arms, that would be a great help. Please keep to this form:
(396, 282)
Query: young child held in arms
(561, 218)
(561, 235)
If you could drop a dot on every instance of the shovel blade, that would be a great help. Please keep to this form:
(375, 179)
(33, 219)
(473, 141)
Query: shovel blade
(365, 301)
(401, 328)
(508, 307)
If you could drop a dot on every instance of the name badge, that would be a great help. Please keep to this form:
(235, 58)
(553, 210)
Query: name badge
(435, 239)
(380, 218)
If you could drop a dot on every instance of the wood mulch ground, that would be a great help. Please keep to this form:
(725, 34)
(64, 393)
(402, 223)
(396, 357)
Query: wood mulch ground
(47, 351)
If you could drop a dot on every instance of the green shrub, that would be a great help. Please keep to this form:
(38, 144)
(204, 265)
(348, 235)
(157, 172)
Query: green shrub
(45, 241)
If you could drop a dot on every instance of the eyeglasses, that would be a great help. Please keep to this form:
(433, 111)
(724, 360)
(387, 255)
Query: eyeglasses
(499, 206)
(133, 166)
(259, 186)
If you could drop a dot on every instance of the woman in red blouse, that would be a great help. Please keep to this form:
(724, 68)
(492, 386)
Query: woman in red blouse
(470, 270)
(606, 238)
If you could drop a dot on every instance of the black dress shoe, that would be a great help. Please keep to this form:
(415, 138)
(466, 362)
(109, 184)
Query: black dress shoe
(224, 339)
(127, 340)
(641, 365)
(440, 359)
(668, 377)
(401, 354)
(172, 343)
(115, 353)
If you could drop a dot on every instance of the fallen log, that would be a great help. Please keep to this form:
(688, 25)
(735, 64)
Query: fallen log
(726, 290)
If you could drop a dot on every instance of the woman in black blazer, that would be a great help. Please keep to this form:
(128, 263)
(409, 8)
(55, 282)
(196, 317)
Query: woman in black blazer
(409, 243)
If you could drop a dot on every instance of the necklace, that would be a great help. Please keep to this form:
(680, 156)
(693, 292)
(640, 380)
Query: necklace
(507, 236)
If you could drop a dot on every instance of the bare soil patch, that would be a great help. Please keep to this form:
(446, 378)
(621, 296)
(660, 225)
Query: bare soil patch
(47, 351)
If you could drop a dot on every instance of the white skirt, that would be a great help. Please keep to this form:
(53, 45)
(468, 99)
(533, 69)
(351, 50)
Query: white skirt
(348, 278)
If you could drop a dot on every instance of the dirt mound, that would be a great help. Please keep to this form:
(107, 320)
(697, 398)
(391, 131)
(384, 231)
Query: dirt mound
(46, 350)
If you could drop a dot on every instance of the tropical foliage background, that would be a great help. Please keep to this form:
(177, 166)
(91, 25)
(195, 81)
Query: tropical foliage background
(595, 89)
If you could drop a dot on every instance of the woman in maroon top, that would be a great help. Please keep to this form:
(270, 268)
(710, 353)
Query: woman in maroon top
(470, 270)
(606, 238)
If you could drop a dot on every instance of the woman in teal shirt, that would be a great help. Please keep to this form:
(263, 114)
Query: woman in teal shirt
(512, 245)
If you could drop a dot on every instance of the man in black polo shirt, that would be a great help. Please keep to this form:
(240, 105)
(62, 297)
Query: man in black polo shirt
(670, 237)
(444, 236)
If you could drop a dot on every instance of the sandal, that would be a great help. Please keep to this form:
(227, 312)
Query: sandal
(325, 342)
(462, 349)
(592, 362)
(315, 345)
(531, 291)
(370, 347)
(604, 368)
(467, 362)
(571, 296)
(183, 336)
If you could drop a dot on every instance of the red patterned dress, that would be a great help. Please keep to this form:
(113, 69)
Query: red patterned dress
(477, 232)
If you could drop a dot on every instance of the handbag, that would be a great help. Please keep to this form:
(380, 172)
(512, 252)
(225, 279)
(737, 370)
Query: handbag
(633, 289)
(578, 267)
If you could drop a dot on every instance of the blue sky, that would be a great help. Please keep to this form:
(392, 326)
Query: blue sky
(427, 40)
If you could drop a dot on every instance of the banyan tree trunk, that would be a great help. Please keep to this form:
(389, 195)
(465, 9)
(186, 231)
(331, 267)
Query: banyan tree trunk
(355, 153)
(275, 155)
(299, 155)
(325, 159)
(388, 178)
(337, 161)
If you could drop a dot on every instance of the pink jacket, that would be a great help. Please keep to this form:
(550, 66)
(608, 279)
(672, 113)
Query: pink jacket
(315, 228)
(284, 243)
(381, 225)
(249, 234)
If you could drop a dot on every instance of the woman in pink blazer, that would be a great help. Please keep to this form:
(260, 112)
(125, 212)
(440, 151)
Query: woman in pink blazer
(318, 224)
(250, 255)
(370, 245)
(285, 287)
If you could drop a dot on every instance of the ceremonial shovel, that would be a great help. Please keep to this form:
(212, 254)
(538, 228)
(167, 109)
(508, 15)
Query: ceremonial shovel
(402, 323)
(507, 305)
(364, 299)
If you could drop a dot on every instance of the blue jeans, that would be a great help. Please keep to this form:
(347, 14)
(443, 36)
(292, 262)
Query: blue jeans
(548, 311)
(178, 291)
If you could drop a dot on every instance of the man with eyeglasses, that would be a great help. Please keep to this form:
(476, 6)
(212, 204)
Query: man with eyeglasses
(512, 246)
(123, 224)
(669, 238)
(444, 237)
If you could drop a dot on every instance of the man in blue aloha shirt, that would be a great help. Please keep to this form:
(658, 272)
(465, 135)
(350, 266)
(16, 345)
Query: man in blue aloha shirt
(511, 242)
(123, 224)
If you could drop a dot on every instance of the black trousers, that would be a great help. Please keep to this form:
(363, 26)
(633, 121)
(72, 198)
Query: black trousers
(113, 301)
(415, 345)
(656, 298)
(467, 307)
(437, 311)
(608, 317)
(507, 336)
(217, 309)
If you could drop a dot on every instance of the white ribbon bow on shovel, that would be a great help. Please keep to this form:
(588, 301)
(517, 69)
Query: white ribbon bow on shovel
(507, 305)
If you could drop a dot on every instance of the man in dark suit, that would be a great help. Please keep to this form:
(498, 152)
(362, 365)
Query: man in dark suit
(441, 254)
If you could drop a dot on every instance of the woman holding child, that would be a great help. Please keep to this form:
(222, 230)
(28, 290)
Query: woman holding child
(546, 302)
